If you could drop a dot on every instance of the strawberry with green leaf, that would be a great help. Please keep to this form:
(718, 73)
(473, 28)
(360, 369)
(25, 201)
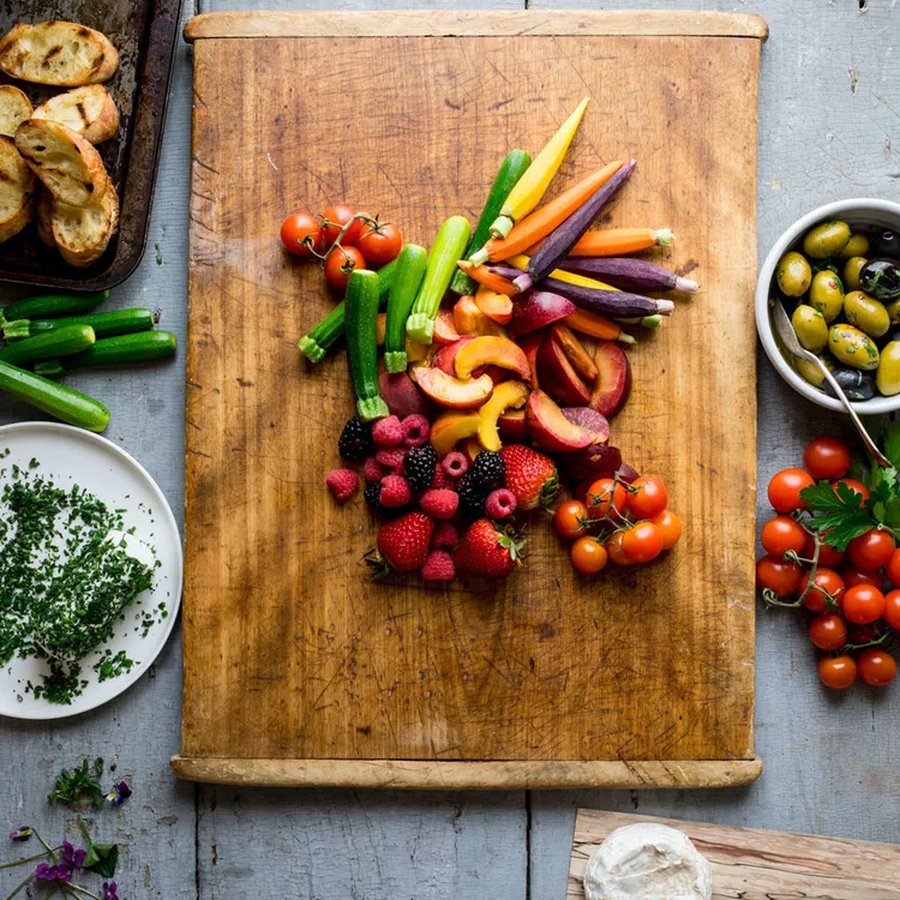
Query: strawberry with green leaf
(486, 550)
(530, 475)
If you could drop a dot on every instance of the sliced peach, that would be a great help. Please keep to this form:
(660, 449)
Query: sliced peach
(402, 396)
(530, 345)
(575, 352)
(558, 377)
(453, 393)
(380, 326)
(498, 307)
(445, 358)
(487, 351)
(469, 319)
(613, 382)
(550, 429)
(510, 394)
(590, 420)
(444, 330)
(451, 427)
(416, 353)
(512, 427)
(471, 446)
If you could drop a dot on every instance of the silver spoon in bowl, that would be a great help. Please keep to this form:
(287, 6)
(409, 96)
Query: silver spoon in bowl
(788, 337)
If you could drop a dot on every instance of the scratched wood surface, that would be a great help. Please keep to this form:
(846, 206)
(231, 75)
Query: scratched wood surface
(304, 657)
(752, 864)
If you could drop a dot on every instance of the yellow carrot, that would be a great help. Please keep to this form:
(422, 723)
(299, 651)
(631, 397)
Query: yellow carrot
(617, 241)
(530, 188)
(537, 225)
(521, 262)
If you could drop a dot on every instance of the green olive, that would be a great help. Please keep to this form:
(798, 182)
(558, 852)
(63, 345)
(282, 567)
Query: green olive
(852, 268)
(810, 372)
(866, 313)
(893, 310)
(811, 328)
(858, 245)
(887, 378)
(827, 239)
(793, 274)
(826, 294)
(853, 347)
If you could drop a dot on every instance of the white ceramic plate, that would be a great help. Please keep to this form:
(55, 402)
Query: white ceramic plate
(70, 456)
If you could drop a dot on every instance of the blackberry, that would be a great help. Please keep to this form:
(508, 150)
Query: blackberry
(488, 471)
(419, 466)
(472, 497)
(373, 496)
(355, 443)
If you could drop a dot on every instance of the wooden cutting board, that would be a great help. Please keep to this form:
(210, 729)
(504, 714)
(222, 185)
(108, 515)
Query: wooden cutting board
(753, 864)
(298, 670)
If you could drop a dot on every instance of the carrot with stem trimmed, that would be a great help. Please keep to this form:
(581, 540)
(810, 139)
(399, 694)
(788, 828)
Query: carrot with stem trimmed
(483, 275)
(618, 241)
(595, 325)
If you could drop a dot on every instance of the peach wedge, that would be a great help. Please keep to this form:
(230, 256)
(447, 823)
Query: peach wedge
(508, 395)
(488, 351)
(450, 392)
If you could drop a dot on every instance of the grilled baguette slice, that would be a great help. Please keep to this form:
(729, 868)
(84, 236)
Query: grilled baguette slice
(43, 217)
(61, 53)
(70, 168)
(15, 108)
(82, 233)
(88, 111)
(17, 188)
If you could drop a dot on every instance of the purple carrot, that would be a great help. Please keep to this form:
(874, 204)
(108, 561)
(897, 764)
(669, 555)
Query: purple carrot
(629, 274)
(609, 303)
(504, 271)
(560, 241)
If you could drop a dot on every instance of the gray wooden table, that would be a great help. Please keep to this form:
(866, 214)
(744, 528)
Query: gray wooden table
(829, 128)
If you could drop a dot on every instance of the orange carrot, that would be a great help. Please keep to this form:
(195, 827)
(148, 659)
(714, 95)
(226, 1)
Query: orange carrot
(537, 225)
(597, 326)
(484, 276)
(617, 241)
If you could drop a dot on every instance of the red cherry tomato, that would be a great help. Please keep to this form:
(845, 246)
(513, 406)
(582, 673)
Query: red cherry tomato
(649, 497)
(379, 243)
(588, 555)
(605, 497)
(340, 263)
(826, 457)
(837, 672)
(892, 609)
(616, 553)
(862, 604)
(782, 534)
(301, 235)
(893, 568)
(828, 631)
(853, 576)
(871, 550)
(782, 578)
(670, 528)
(569, 518)
(827, 582)
(828, 556)
(642, 542)
(785, 487)
(861, 634)
(876, 666)
(334, 219)
(854, 485)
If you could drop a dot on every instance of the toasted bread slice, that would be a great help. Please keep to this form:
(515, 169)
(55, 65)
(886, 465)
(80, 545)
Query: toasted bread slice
(70, 168)
(43, 217)
(88, 111)
(17, 188)
(82, 233)
(61, 53)
(15, 108)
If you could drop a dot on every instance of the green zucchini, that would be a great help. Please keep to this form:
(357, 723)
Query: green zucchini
(448, 249)
(317, 342)
(63, 402)
(404, 287)
(59, 342)
(105, 324)
(50, 306)
(511, 170)
(362, 348)
(121, 350)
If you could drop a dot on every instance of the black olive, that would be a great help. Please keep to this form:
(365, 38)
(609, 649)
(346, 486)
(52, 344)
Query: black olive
(885, 243)
(856, 385)
(881, 279)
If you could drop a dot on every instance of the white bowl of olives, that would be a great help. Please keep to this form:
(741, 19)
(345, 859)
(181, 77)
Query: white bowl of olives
(836, 271)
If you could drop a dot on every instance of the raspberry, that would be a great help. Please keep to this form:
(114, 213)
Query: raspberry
(445, 536)
(442, 480)
(392, 459)
(455, 464)
(438, 566)
(488, 471)
(342, 483)
(416, 430)
(395, 491)
(419, 466)
(387, 432)
(441, 504)
(373, 470)
(500, 504)
(355, 443)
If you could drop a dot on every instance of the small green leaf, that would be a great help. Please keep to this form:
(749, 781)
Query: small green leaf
(102, 859)
(891, 442)
(837, 510)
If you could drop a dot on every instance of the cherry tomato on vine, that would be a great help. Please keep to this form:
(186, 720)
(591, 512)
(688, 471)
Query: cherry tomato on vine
(780, 576)
(642, 542)
(828, 631)
(301, 235)
(340, 263)
(861, 634)
(893, 568)
(871, 550)
(588, 555)
(670, 528)
(854, 485)
(569, 518)
(862, 604)
(605, 497)
(782, 534)
(827, 582)
(334, 219)
(826, 457)
(876, 666)
(837, 672)
(649, 497)
(828, 556)
(853, 576)
(892, 609)
(379, 243)
(785, 487)
(616, 553)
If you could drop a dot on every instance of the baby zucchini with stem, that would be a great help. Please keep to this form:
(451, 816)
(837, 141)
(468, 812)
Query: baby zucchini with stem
(121, 350)
(404, 287)
(362, 348)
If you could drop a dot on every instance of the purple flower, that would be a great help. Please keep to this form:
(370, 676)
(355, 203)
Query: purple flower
(117, 795)
(74, 859)
(22, 833)
(45, 872)
(109, 891)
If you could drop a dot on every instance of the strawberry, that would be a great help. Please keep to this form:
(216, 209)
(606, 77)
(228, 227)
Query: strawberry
(486, 551)
(530, 475)
(402, 544)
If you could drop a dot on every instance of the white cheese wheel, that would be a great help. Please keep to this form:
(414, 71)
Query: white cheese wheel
(646, 861)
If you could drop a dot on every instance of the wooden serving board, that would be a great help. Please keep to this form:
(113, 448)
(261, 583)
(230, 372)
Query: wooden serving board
(753, 864)
(298, 670)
